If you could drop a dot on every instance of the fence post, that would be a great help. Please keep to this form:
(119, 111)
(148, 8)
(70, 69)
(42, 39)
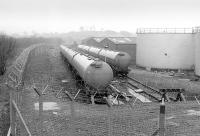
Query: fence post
(12, 110)
(162, 119)
(109, 104)
(40, 109)
(92, 99)
(73, 112)
(12, 116)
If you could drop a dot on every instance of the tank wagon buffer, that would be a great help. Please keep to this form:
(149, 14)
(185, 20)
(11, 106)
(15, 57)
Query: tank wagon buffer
(95, 74)
(119, 61)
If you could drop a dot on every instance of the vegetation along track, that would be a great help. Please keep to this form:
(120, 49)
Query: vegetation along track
(147, 91)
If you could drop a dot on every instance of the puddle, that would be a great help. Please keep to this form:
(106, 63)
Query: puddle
(167, 118)
(173, 124)
(170, 117)
(193, 112)
(47, 106)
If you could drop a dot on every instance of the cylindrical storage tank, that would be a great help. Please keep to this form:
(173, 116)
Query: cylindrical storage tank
(197, 54)
(95, 73)
(121, 60)
(165, 50)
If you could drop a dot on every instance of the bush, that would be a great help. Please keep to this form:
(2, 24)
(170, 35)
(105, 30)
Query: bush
(7, 45)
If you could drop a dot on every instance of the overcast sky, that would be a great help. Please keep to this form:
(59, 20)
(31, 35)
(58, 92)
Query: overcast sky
(68, 15)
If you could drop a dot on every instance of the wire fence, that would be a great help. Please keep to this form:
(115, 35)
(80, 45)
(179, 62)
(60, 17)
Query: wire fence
(86, 119)
(53, 112)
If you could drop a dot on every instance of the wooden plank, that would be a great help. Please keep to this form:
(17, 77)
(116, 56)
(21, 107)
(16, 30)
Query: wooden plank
(138, 96)
(9, 131)
(108, 102)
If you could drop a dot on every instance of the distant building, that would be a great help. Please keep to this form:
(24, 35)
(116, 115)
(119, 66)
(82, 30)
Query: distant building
(92, 41)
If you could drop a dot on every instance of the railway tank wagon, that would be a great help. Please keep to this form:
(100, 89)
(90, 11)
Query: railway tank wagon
(118, 60)
(95, 73)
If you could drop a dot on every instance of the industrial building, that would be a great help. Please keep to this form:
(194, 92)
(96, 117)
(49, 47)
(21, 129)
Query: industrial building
(92, 41)
(169, 49)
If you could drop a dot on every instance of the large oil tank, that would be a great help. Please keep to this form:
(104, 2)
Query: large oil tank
(165, 50)
(197, 53)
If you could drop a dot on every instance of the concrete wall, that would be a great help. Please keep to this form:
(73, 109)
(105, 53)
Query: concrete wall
(165, 51)
(197, 54)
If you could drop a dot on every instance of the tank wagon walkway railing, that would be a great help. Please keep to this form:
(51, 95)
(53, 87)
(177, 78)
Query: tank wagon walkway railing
(15, 83)
(191, 30)
(165, 30)
(197, 29)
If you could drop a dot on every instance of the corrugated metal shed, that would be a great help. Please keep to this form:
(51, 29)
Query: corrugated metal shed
(92, 41)
(123, 40)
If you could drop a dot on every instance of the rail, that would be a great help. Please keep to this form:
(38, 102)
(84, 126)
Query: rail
(152, 89)
(144, 92)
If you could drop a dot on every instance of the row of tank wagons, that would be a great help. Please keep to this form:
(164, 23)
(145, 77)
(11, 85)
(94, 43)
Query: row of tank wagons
(119, 61)
(95, 73)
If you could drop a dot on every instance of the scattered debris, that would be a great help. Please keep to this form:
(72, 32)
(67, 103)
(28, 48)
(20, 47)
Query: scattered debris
(193, 112)
(47, 106)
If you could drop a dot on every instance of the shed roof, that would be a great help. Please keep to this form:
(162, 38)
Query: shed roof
(123, 40)
(98, 39)
(116, 40)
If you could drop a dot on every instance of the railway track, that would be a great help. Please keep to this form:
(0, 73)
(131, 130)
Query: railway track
(147, 91)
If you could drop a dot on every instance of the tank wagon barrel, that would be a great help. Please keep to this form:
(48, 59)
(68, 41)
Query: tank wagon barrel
(95, 73)
(118, 60)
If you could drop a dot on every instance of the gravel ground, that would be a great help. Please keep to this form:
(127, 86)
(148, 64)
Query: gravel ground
(79, 119)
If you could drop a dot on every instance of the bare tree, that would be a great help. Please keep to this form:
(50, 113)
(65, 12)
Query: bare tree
(7, 45)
